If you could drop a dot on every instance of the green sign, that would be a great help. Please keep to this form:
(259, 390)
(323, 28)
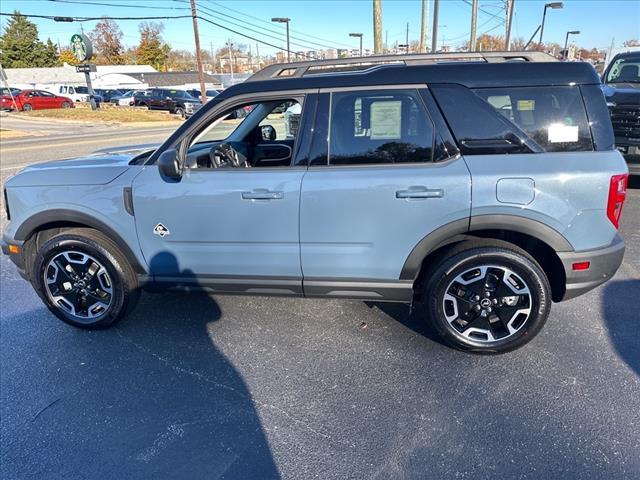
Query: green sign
(81, 47)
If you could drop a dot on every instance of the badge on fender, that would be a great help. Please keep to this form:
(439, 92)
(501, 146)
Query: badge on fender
(161, 230)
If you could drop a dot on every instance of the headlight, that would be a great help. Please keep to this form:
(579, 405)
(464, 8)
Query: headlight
(188, 105)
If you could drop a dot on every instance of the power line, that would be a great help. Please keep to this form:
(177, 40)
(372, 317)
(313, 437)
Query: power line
(244, 23)
(269, 23)
(248, 36)
(259, 32)
(73, 2)
(91, 19)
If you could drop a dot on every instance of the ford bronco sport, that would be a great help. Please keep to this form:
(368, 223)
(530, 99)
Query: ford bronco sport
(483, 189)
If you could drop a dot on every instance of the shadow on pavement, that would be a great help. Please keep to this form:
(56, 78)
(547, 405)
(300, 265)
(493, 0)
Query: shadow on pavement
(150, 398)
(412, 319)
(620, 312)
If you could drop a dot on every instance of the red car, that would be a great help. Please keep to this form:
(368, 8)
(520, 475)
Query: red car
(34, 100)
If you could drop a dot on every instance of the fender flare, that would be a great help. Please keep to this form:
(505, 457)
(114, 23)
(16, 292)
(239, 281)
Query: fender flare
(33, 223)
(466, 226)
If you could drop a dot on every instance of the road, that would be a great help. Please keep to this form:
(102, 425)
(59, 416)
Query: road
(238, 387)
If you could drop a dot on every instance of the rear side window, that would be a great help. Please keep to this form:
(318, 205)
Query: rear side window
(553, 117)
(379, 127)
(516, 119)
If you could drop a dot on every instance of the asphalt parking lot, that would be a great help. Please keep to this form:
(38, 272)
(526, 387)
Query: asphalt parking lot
(196, 386)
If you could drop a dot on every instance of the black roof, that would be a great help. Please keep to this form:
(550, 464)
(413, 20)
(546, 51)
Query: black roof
(469, 74)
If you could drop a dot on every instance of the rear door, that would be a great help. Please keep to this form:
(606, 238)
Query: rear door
(380, 179)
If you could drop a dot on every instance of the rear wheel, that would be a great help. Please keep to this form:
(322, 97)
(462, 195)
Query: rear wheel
(84, 279)
(27, 107)
(487, 298)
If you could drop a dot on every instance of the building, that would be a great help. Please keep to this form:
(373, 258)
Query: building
(107, 76)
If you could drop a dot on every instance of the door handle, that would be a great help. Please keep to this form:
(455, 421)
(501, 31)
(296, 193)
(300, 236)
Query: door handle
(420, 192)
(262, 194)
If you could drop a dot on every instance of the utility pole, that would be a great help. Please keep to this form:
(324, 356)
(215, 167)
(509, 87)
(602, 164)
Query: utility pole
(474, 23)
(230, 45)
(194, 17)
(507, 38)
(407, 37)
(434, 30)
(377, 26)
(423, 26)
(386, 39)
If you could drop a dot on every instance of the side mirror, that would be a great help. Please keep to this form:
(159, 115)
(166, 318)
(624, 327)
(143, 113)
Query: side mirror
(169, 164)
(268, 132)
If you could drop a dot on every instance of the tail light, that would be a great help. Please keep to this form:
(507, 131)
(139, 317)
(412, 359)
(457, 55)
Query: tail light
(617, 195)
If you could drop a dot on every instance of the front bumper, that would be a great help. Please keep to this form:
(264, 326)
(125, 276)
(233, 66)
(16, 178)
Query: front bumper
(604, 262)
(16, 258)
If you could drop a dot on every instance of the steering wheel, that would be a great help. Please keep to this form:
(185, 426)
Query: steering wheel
(225, 155)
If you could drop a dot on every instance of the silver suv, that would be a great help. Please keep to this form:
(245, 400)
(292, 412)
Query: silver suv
(482, 189)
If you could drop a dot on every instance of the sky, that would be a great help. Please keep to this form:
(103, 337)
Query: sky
(327, 23)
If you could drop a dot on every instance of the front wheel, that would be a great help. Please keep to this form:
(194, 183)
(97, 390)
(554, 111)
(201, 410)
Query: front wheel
(66, 105)
(84, 279)
(179, 111)
(487, 298)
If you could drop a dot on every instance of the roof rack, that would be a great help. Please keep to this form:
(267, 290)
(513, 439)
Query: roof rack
(364, 64)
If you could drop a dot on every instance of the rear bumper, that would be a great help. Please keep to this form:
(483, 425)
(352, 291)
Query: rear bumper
(604, 264)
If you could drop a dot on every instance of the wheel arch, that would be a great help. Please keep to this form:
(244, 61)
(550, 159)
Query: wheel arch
(541, 241)
(61, 219)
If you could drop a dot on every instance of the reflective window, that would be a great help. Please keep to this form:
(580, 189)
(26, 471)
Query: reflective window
(377, 127)
(553, 117)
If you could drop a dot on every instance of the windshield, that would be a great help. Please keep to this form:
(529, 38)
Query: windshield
(626, 69)
(82, 90)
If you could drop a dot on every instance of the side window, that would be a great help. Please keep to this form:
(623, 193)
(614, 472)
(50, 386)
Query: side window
(285, 119)
(553, 117)
(379, 127)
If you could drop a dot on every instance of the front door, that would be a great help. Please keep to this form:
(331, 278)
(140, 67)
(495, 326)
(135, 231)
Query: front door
(230, 227)
(381, 183)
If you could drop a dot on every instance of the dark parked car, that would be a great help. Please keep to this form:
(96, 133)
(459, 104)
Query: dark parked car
(622, 91)
(195, 93)
(27, 100)
(108, 94)
(177, 102)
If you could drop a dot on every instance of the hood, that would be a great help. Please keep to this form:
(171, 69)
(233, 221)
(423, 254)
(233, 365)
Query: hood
(92, 170)
(622, 93)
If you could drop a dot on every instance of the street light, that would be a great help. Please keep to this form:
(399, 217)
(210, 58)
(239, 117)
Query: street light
(359, 35)
(284, 20)
(552, 5)
(566, 40)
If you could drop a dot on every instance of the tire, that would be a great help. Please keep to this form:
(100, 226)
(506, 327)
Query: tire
(66, 105)
(489, 297)
(27, 107)
(100, 274)
(179, 111)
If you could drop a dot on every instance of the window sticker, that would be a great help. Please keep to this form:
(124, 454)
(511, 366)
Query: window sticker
(526, 105)
(386, 118)
(559, 133)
